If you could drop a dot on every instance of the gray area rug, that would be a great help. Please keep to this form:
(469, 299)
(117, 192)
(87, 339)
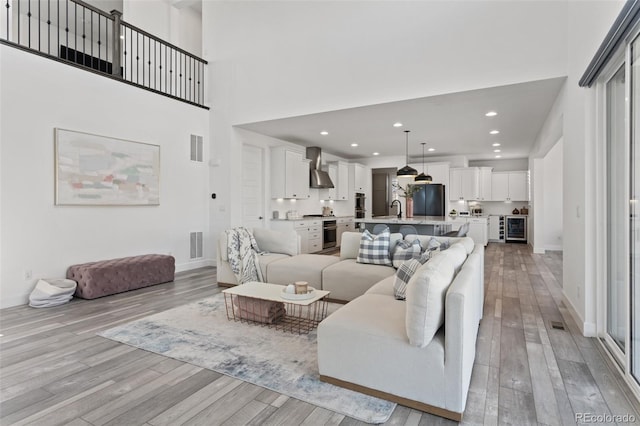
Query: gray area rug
(200, 334)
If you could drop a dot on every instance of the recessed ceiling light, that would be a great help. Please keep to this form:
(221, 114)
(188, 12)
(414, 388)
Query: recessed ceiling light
(498, 156)
(398, 124)
(354, 145)
(494, 132)
(431, 149)
(324, 133)
(495, 144)
(496, 150)
(376, 153)
(491, 114)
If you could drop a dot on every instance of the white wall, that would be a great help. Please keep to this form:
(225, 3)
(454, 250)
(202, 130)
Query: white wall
(179, 26)
(39, 95)
(276, 59)
(588, 23)
(552, 202)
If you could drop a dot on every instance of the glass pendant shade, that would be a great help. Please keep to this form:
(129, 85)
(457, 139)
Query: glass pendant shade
(407, 171)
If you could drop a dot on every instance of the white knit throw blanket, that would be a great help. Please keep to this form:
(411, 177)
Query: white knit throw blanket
(242, 252)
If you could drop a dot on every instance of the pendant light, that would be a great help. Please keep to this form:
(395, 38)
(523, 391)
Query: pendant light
(422, 177)
(407, 171)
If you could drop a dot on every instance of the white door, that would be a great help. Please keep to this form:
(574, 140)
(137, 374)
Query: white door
(253, 214)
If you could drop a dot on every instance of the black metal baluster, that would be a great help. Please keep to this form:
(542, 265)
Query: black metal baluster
(18, 22)
(143, 59)
(49, 27)
(165, 68)
(84, 38)
(66, 29)
(180, 68)
(106, 45)
(160, 72)
(59, 23)
(150, 62)
(39, 16)
(124, 44)
(91, 25)
(198, 85)
(99, 39)
(170, 71)
(29, 22)
(137, 57)
(7, 7)
(75, 32)
(155, 63)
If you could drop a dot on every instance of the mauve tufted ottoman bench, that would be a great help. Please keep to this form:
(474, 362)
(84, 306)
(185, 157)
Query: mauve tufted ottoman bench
(97, 279)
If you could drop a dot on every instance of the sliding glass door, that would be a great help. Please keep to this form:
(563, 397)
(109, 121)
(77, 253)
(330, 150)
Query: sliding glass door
(616, 161)
(633, 235)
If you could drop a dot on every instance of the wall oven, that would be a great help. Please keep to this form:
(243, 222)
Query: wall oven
(516, 229)
(360, 210)
(329, 233)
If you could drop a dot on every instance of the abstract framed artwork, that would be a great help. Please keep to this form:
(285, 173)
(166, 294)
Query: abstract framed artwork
(96, 170)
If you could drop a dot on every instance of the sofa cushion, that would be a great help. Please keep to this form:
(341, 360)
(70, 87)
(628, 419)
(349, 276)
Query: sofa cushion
(384, 287)
(425, 299)
(276, 241)
(374, 249)
(265, 259)
(403, 275)
(348, 279)
(405, 250)
(457, 254)
(365, 342)
(303, 267)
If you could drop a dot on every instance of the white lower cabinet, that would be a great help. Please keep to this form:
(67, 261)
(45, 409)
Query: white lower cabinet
(309, 231)
(345, 224)
(478, 228)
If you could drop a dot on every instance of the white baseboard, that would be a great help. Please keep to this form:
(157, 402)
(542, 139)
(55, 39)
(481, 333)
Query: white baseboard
(538, 250)
(195, 265)
(8, 302)
(553, 248)
(588, 329)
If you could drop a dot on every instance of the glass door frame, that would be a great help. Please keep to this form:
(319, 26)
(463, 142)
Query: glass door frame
(622, 360)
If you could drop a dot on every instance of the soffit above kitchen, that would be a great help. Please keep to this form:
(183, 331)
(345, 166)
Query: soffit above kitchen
(452, 124)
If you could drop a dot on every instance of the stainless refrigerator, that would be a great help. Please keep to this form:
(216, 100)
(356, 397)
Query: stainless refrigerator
(429, 200)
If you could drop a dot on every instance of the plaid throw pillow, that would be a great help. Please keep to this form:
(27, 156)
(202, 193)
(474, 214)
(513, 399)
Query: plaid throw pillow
(403, 275)
(404, 251)
(374, 249)
(435, 245)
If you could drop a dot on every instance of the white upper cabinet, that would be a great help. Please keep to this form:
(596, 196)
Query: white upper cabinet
(464, 183)
(484, 184)
(510, 186)
(342, 181)
(359, 177)
(289, 174)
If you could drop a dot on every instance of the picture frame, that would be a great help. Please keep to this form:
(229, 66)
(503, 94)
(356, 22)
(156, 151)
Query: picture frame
(94, 170)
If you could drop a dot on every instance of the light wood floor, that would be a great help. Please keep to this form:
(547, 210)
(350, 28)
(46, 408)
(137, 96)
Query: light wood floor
(55, 370)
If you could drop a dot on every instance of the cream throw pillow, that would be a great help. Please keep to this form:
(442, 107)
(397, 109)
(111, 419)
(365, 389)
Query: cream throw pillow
(425, 299)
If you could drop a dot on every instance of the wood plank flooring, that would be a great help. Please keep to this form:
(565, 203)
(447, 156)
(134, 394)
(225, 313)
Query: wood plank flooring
(54, 370)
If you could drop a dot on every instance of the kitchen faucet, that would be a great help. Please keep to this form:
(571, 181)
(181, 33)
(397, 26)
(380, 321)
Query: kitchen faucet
(399, 208)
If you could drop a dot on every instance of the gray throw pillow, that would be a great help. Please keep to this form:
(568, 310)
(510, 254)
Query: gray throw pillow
(405, 250)
(403, 275)
(374, 249)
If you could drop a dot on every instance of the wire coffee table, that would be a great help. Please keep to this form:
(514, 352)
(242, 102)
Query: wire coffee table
(263, 304)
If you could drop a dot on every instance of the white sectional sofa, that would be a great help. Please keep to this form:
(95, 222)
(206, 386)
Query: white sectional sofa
(374, 343)
(365, 345)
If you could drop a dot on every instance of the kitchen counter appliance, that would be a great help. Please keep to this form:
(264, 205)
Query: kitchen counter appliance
(516, 229)
(360, 210)
(329, 233)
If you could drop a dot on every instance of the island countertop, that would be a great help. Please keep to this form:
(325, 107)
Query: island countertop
(417, 220)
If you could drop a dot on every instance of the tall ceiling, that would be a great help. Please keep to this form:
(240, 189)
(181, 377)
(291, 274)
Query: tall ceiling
(451, 124)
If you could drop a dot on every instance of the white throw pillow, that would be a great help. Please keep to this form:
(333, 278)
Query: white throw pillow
(426, 298)
(374, 249)
(276, 241)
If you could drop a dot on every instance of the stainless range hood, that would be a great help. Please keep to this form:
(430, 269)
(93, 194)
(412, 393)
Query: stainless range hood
(318, 178)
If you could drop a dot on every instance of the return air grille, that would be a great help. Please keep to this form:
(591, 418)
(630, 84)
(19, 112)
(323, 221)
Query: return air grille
(196, 245)
(196, 148)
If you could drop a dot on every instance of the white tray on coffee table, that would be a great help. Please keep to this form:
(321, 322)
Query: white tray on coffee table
(301, 315)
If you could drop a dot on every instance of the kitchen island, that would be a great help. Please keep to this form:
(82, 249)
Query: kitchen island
(425, 225)
(434, 225)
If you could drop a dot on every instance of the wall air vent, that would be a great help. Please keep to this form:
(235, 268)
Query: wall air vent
(195, 245)
(196, 148)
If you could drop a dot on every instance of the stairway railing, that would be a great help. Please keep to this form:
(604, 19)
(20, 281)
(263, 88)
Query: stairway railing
(81, 35)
